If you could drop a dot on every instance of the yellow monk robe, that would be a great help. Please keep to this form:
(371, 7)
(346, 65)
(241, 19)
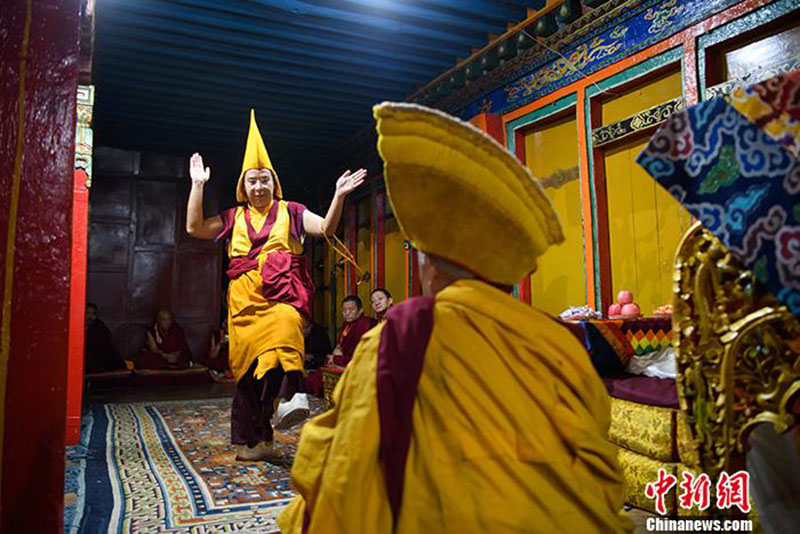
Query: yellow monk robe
(508, 433)
(259, 328)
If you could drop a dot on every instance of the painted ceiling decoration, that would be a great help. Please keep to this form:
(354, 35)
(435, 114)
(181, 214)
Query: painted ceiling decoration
(175, 76)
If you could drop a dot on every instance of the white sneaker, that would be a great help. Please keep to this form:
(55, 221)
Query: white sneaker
(291, 412)
(253, 454)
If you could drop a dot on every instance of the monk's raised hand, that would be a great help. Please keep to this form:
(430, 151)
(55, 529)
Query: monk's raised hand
(197, 172)
(349, 182)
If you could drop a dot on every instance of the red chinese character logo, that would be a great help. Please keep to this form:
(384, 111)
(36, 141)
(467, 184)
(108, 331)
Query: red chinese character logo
(733, 490)
(695, 491)
(656, 490)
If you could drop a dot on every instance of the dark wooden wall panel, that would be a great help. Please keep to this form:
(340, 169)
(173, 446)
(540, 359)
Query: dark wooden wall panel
(150, 284)
(131, 337)
(155, 213)
(108, 290)
(115, 160)
(199, 337)
(108, 246)
(140, 257)
(197, 272)
(111, 198)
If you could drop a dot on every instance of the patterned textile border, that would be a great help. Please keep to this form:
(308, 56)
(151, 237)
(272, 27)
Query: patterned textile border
(640, 121)
(733, 163)
(168, 468)
(633, 27)
(649, 334)
(637, 471)
(647, 430)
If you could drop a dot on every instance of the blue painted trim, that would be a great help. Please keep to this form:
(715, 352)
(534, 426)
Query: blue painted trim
(636, 26)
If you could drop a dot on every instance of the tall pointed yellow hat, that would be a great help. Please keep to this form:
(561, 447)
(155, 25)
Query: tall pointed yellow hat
(458, 194)
(256, 157)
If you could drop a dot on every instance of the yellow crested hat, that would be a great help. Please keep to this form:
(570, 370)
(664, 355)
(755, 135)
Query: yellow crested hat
(256, 157)
(458, 194)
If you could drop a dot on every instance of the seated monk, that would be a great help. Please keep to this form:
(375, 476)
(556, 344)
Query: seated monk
(318, 346)
(355, 325)
(466, 410)
(217, 360)
(100, 356)
(166, 346)
(381, 302)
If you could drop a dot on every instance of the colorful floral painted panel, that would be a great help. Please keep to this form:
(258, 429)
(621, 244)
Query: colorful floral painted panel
(733, 163)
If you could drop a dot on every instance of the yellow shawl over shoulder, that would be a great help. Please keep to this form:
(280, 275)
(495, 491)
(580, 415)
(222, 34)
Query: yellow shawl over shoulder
(258, 328)
(509, 433)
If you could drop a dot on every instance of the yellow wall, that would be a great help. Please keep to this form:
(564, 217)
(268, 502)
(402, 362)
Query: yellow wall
(645, 222)
(395, 257)
(645, 226)
(657, 91)
(559, 281)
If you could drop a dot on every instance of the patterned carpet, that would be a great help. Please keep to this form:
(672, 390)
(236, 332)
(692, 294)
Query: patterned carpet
(168, 467)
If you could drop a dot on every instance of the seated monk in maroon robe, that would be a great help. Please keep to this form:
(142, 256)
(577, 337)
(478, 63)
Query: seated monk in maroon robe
(217, 359)
(166, 346)
(318, 347)
(355, 325)
(100, 355)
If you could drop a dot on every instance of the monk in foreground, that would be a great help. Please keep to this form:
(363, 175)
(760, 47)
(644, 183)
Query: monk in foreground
(466, 410)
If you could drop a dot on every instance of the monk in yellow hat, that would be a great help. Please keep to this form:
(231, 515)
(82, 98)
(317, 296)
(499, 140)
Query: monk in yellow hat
(270, 290)
(465, 411)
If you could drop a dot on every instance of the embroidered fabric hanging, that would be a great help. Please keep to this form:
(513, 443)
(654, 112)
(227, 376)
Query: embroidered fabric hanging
(734, 163)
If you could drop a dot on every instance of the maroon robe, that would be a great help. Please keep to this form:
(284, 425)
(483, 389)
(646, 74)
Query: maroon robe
(100, 354)
(220, 363)
(349, 336)
(172, 340)
(318, 346)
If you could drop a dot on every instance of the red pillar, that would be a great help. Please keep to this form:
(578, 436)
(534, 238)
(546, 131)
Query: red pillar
(77, 297)
(77, 309)
(37, 107)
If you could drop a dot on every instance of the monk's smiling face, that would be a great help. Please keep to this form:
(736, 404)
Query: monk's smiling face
(259, 187)
(351, 311)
